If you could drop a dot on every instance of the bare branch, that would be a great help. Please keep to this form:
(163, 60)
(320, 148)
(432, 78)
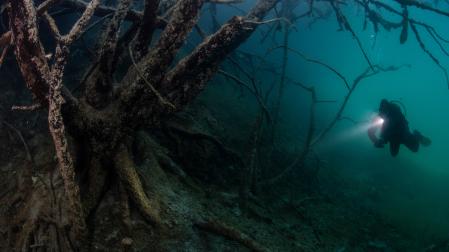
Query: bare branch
(161, 99)
(269, 21)
(437, 34)
(146, 29)
(131, 182)
(182, 21)
(367, 73)
(230, 233)
(3, 55)
(344, 23)
(226, 1)
(22, 139)
(242, 83)
(43, 7)
(6, 39)
(423, 47)
(155, 64)
(58, 133)
(28, 49)
(111, 36)
(343, 78)
(53, 27)
(422, 6)
(413, 23)
(189, 77)
(82, 23)
(200, 31)
(101, 11)
(99, 78)
(27, 108)
(287, 12)
(97, 22)
(300, 159)
(435, 38)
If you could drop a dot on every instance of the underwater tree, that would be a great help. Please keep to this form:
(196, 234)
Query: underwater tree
(93, 132)
(106, 116)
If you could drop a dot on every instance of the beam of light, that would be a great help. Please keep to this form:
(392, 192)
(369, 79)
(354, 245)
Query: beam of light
(361, 128)
(357, 130)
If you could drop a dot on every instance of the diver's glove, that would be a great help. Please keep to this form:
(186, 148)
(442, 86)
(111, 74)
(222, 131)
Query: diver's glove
(379, 143)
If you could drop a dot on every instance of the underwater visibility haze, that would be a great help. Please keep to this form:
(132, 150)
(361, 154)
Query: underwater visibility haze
(224, 125)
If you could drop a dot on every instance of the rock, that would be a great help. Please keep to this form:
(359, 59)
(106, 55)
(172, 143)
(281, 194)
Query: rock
(378, 245)
(341, 249)
(127, 243)
(112, 236)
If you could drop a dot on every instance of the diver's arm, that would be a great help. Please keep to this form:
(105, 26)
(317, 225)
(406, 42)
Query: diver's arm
(379, 143)
(372, 134)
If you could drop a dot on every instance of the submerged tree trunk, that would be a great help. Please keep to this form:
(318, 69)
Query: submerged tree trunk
(103, 120)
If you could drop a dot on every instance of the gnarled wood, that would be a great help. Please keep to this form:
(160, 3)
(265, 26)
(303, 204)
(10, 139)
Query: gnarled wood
(147, 28)
(130, 180)
(222, 229)
(136, 98)
(29, 51)
(99, 82)
(191, 74)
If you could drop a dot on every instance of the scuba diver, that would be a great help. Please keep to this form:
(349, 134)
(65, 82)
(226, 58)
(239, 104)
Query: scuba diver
(394, 130)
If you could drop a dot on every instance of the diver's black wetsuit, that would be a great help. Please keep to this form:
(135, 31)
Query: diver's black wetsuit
(395, 130)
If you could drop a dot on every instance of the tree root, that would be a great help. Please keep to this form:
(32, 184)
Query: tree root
(148, 149)
(131, 182)
(97, 176)
(200, 135)
(22, 139)
(40, 218)
(126, 242)
(222, 229)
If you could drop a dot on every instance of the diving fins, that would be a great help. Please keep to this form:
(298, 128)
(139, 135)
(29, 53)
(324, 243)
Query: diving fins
(424, 141)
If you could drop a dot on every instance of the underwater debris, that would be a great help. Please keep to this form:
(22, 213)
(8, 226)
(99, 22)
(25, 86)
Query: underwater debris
(231, 233)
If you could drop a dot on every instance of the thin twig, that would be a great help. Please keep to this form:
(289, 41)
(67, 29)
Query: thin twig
(82, 23)
(299, 161)
(343, 21)
(161, 99)
(423, 47)
(22, 139)
(230, 233)
(423, 6)
(338, 116)
(3, 55)
(258, 98)
(43, 7)
(53, 27)
(27, 108)
(302, 55)
(98, 21)
(5, 39)
(431, 33)
(268, 21)
(225, 1)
